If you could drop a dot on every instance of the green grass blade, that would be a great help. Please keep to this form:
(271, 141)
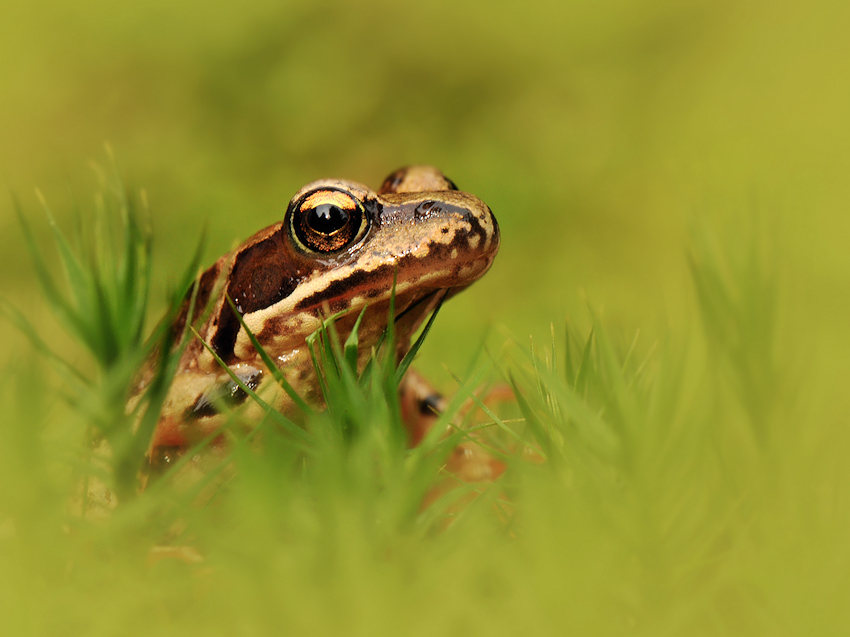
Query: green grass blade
(278, 417)
(352, 342)
(77, 279)
(269, 363)
(414, 349)
(23, 325)
(584, 364)
(568, 356)
(58, 304)
(538, 430)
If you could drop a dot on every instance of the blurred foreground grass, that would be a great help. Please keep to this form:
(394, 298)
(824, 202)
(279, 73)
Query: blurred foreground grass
(710, 497)
(689, 487)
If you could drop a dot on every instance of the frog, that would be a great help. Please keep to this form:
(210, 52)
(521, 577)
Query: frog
(342, 250)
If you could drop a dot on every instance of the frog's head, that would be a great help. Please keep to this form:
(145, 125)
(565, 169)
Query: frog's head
(341, 246)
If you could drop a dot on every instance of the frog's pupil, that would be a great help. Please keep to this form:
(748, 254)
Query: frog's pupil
(327, 218)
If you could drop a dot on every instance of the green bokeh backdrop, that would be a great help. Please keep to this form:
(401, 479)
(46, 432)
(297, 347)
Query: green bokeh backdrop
(595, 131)
(598, 132)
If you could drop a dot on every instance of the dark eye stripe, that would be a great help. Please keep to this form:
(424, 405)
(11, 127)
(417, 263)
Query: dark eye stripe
(261, 275)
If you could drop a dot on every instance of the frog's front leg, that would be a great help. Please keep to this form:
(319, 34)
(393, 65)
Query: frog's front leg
(421, 406)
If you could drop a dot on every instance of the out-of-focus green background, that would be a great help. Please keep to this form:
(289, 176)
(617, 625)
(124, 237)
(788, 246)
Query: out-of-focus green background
(599, 133)
(595, 131)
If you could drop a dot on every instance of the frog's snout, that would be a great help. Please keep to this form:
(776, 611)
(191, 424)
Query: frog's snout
(492, 228)
(480, 229)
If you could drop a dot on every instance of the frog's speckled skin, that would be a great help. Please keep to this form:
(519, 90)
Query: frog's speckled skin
(418, 227)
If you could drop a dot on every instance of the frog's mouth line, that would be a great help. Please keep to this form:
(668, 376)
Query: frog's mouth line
(416, 310)
(447, 293)
(427, 299)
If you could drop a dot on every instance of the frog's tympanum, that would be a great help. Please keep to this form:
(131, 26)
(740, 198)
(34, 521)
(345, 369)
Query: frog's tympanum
(338, 249)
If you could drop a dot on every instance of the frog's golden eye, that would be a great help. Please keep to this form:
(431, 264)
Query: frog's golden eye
(328, 220)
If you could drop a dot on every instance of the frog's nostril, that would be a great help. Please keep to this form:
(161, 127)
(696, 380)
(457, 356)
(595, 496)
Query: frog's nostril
(425, 210)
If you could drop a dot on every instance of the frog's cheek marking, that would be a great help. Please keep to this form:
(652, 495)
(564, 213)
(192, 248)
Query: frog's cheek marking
(261, 275)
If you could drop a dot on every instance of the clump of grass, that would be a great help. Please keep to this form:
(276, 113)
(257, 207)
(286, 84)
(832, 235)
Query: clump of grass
(101, 300)
(356, 448)
(674, 462)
